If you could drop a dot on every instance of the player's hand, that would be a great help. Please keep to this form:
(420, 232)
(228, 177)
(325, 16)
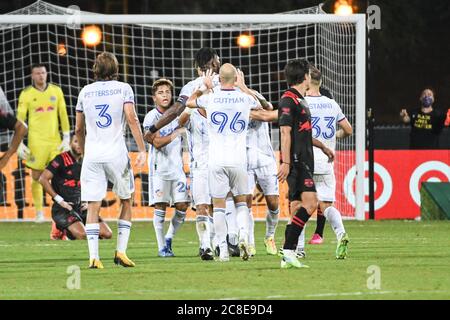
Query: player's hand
(208, 78)
(403, 113)
(283, 172)
(23, 152)
(240, 80)
(141, 159)
(149, 137)
(65, 144)
(329, 153)
(65, 205)
(84, 206)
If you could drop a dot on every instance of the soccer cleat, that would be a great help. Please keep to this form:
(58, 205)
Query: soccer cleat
(251, 250)
(316, 239)
(342, 247)
(233, 250)
(55, 233)
(298, 254)
(244, 250)
(95, 264)
(271, 248)
(169, 251)
(123, 260)
(39, 217)
(290, 260)
(206, 254)
(224, 258)
(163, 253)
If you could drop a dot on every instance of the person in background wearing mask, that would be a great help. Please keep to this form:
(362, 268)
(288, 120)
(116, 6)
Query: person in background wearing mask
(426, 122)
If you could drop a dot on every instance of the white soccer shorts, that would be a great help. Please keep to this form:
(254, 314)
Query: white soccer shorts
(95, 176)
(200, 187)
(325, 187)
(267, 179)
(225, 179)
(168, 191)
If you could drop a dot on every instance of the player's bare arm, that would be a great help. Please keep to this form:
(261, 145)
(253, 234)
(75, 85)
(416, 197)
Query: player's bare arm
(20, 130)
(345, 129)
(262, 101)
(327, 151)
(45, 180)
(135, 127)
(184, 118)
(80, 129)
(264, 115)
(285, 148)
(162, 141)
(206, 87)
(240, 83)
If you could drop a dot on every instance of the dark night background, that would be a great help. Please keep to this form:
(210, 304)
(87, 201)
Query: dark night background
(410, 52)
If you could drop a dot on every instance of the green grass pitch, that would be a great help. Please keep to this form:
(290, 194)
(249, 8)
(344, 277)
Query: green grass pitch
(412, 258)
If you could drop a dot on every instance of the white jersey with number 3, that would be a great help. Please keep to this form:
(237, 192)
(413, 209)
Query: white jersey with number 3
(325, 116)
(228, 112)
(102, 104)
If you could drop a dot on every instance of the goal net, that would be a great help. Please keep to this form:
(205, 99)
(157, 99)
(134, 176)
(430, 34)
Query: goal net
(147, 49)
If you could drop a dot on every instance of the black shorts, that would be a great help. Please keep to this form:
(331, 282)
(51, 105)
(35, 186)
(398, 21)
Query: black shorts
(300, 179)
(64, 218)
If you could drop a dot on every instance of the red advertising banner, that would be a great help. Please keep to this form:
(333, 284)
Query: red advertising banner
(398, 176)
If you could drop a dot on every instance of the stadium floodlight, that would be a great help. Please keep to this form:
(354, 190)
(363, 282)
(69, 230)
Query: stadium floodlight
(343, 8)
(91, 35)
(246, 41)
(151, 46)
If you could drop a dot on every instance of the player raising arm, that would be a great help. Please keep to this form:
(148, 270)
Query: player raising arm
(102, 109)
(205, 59)
(228, 112)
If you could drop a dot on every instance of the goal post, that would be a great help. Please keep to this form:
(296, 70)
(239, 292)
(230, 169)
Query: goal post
(152, 46)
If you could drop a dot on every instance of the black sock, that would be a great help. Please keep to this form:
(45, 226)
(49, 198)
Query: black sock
(296, 227)
(286, 232)
(320, 223)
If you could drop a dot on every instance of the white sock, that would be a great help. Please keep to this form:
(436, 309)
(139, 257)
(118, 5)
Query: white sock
(212, 232)
(175, 223)
(158, 224)
(220, 226)
(231, 217)
(123, 234)
(92, 232)
(301, 240)
(202, 226)
(242, 217)
(271, 222)
(334, 216)
(251, 228)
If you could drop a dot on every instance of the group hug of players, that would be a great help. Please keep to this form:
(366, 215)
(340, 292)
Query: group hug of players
(226, 127)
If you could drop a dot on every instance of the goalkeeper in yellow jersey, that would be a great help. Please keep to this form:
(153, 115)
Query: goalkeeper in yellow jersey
(42, 106)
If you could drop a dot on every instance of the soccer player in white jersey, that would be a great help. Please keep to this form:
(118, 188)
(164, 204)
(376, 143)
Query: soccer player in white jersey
(205, 59)
(325, 115)
(228, 112)
(102, 109)
(262, 168)
(167, 180)
(196, 123)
